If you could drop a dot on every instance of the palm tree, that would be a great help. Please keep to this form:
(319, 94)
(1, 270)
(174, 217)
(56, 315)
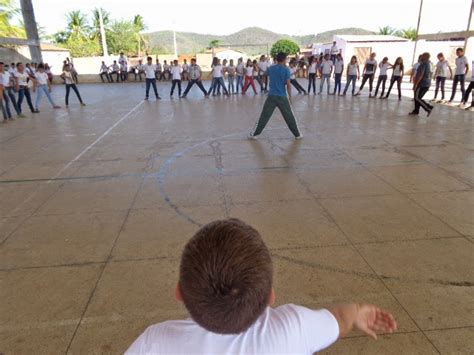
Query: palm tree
(77, 23)
(409, 33)
(96, 21)
(8, 11)
(387, 30)
(140, 26)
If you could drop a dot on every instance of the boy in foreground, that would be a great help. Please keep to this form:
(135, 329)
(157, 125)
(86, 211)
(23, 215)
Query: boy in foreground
(225, 282)
(278, 96)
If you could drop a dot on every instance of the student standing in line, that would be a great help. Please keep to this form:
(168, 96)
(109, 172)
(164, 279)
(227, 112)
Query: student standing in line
(217, 78)
(397, 76)
(353, 74)
(415, 68)
(334, 51)
(441, 72)
(194, 78)
(462, 68)
(166, 71)
(185, 67)
(293, 70)
(124, 71)
(43, 86)
(239, 71)
(70, 84)
(158, 69)
(368, 73)
(278, 96)
(114, 69)
(421, 85)
(231, 77)
(469, 89)
(8, 82)
(104, 71)
(150, 78)
(256, 75)
(312, 69)
(22, 77)
(249, 69)
(383, 66)
(263, 67)
(338, 70)
(326, 68)
(176, 72)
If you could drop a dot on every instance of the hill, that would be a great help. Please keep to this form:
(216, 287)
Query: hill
(189, 42)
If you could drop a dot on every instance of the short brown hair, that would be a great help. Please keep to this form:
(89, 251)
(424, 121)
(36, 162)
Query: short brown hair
(226, 276)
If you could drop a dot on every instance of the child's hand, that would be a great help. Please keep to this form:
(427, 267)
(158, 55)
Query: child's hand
(371, 319)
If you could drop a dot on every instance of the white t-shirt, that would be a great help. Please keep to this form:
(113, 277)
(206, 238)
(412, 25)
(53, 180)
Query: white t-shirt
(383, 68)
(149, 70)
(397, 70)
(288, 329)
(263, 66)
(312, 68)
(217, 71)
(442, 68)
(41, 78)
(5, 79)
(334, 50)
(370, 66)
(68, 79)
(240, 69)
(231, 69)
(326, 66)
(185, 67)
(352, 69)
(461, 65)
(104, 68)
(338, 66)
(176, 72)
(122, 60)
(22, 78)
(293, 73)
(249, 71)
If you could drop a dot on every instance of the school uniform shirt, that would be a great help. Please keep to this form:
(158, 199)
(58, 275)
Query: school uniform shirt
(41, 78)
(397, 70)
(115, 67)
(312, 68)
(122, 60)
(288, 329)
(22, 78)
(383, 68)
(326, 67)
(231, 69)
(293, 73)
(11, 70)
(158, 66)
(461, 63)
(240, 69)
(6, 77)
(249, 71)
(442, 68)
(338, 66)
(370, 66)
(334, 50)
(194, 72)
(104, 68)
(185, 68)
(217, 71)
(263, 66)
(123, 67)
(176, 72)
(353, 69)
(149, 70)
(68, 77)
(166, 67)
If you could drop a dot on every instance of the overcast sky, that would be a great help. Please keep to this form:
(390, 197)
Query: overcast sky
(291, 17)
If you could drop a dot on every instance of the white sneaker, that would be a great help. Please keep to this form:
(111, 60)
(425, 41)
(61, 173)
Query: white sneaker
(252, 137)
(299, 137)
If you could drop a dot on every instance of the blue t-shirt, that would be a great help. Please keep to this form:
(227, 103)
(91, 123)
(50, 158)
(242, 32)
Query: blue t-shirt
(425, 68)
(278, 75)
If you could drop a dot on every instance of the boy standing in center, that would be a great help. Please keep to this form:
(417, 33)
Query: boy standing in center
(150, 78)
(278, 96)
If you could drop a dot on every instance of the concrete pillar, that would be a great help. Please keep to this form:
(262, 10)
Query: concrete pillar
(31, 30)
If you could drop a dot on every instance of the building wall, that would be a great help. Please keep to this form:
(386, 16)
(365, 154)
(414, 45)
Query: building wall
(22, 54)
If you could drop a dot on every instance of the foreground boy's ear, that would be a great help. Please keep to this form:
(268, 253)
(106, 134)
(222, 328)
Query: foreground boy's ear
(272, 298)
(177, 293)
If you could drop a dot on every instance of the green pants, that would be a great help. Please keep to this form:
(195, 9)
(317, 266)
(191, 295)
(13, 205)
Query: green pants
(283, 105)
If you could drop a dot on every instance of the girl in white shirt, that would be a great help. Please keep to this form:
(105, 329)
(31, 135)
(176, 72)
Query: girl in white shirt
(263, 67)
(293, 81)
(230, 77)
(239, 71)
(22, 77)
(353, 73)
(312, 69)
(338, 69)
(441, 73)
(397, 76)
(326, 68)
(70, 84)
(43, 86)
(383, 66)
(249, 69)
(217, 77)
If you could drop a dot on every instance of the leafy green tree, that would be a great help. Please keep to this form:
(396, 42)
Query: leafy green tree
(214, 43)
(387, 30)
(286, 46)
(96, 21)
(8, 11)
(122, 37)
(81, 46)
(77, 23)
(409, 33)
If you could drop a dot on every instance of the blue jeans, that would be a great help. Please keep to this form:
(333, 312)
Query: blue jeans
(22, 93)
(217, 83)
(325, 77)
(231, 87)
(9, 95)
(337, 83)
(351, 79)
(240, 83)
(151, 82)
(43, 89)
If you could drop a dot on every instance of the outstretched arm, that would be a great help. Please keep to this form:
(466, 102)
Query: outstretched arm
(365, 317)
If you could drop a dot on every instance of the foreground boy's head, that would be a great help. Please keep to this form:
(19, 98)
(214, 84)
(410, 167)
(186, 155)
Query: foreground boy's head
(226, 277)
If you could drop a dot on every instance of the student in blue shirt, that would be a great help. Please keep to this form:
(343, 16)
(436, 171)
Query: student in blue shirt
(280, 84)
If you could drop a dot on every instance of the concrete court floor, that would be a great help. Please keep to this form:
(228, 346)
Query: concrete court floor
(97, 203)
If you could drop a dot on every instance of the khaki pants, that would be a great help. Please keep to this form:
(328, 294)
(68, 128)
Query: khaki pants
(283, 105)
